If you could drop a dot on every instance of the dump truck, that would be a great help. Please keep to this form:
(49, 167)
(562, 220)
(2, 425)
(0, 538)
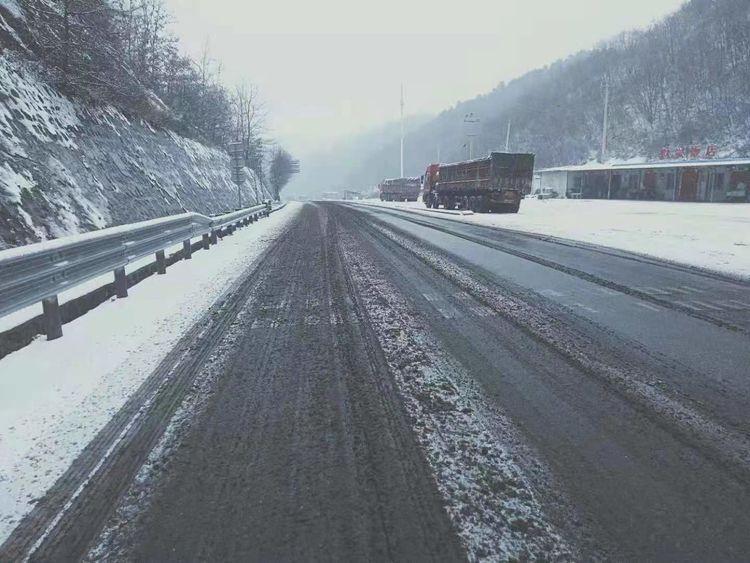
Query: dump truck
(494, 184)
(400, 189)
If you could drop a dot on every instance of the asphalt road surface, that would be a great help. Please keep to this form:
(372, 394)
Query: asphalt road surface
(624, 378)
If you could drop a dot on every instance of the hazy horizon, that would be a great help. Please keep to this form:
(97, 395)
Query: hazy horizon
(343, 79)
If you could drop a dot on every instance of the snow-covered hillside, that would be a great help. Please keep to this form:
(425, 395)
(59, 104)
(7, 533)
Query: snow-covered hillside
(67, 168)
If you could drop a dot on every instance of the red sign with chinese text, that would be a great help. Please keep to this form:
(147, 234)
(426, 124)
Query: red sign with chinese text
(692, 151)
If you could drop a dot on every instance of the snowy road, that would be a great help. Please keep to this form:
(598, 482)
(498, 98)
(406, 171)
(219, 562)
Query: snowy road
(715, 236)
(381, 385)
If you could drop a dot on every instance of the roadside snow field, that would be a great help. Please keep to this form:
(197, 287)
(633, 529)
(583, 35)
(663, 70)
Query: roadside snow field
(55, 396)
(715, 236)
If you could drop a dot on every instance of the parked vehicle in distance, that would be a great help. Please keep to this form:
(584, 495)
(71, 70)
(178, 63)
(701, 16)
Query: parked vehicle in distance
(495, 183)
(546, 193)
(400, 189)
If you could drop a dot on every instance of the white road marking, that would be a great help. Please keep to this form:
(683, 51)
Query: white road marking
(740, 304)
(429, 297)
(680, 290)
(585, 307)
(647, 306)
(693, 289)
(732, 306)
(551, 293)
(707, 305)
(690, 306)
(606, 291)
(653, 290)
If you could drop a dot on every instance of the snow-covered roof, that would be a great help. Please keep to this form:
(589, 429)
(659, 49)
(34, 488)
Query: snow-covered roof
(606, 167)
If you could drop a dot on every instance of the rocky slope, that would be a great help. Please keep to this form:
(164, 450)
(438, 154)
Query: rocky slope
(66, 167)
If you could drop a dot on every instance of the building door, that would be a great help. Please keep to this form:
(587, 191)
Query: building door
(649, 185)
(614, 186)
(688, 186)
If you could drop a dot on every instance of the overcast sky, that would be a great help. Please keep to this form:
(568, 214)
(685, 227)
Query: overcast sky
(328, 68)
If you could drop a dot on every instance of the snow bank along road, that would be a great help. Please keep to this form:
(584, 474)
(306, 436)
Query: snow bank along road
(385, 386)
(715, 236)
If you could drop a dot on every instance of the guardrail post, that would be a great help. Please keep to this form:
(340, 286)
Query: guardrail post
(187, 250)
(52, 320)
(161, 262)
(214, 237)
(121, 283)
(206, 241)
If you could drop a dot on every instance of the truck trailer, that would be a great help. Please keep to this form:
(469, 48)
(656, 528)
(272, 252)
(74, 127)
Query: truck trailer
(400, 189)
(496, 183)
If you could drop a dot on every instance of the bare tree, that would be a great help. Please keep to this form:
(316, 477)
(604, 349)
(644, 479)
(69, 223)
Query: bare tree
(283, 167)
(249, 125)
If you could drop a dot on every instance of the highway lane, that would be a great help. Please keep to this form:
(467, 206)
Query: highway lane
(299, 450)
(714, 358)
(648, 492)
(625, 419)
(303, 452)
(702, 294)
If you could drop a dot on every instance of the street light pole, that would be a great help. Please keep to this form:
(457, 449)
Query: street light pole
(604, 124)
(402, 130)
(470, 122)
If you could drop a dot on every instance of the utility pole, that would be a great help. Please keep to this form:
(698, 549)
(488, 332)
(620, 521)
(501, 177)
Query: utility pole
(507, 138)
(603, 154)
(402, 130)
(471, 124)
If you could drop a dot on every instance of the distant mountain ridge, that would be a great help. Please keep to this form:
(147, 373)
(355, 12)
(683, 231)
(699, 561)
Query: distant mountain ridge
(685, 80)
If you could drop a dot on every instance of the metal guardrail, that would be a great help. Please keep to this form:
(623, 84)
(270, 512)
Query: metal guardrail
(39, 272)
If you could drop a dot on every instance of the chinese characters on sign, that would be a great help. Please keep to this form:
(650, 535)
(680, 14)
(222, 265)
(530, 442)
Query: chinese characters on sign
(694, 151)
(237, 154)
